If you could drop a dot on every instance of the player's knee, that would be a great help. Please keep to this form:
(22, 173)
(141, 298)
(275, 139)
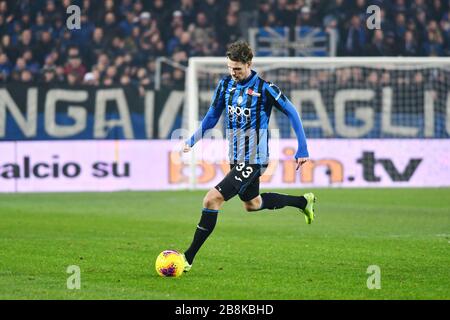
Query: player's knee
(250, 206)
(213, 200)
(253, 205)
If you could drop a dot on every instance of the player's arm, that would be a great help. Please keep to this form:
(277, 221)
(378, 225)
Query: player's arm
(282, 103)
(211, 118)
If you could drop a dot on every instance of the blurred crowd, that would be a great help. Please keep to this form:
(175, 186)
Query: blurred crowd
(120, 40)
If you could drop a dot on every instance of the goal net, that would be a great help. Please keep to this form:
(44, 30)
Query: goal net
(342, 97)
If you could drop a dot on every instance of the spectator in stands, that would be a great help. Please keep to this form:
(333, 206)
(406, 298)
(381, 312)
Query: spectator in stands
(175, 40)
(81, 37)
(409, 45)
(31, 64)
(126, 25)
(25, 20)
(125, 5)
(285, 13)
(49, 12)
(434, 42)
(356, 37)
(185, 43)
(74, 66)
(43, 46)
(72, 79)
(100, 67)
(48, 75)
(4, 18)
(177, 20)
(109, 27)
(372, 79)
(337, 9)
(357, 76)
(360, 9)
(7, 48)
(5, 67)
(387, 25)
(138, 8)
(400, 26)
(377, 46)
(89, 78)
(213, 9)
(202, 35)
(418, 6)
(117, 47)
(125, 80)
(161, 13)
(20, 66)
(264, 10)
(187, 8)
(421, 24)
(436, 10)
(3, 25)
(230, 32)
(305, 18)
(39, 26)
(385, 78)
(96, 47)
(145, 22)
(25, 42)
(445, 27)
(131, 42)
(178, 78)
(143, 80)
(399, 7)
(343, 77)
(111, 76)
(26, 76)
(58, 27)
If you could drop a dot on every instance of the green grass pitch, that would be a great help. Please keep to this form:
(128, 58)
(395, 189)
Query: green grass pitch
(115, 237)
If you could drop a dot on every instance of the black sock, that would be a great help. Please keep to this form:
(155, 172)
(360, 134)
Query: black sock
(204, 229)
(277, 201)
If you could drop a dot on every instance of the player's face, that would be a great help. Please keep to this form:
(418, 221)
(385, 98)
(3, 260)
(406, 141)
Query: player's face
(238, 70)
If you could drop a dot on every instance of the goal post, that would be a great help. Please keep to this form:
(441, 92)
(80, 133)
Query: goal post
(340, 97)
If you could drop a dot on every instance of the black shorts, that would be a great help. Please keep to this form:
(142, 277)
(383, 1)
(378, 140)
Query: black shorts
(243, 179)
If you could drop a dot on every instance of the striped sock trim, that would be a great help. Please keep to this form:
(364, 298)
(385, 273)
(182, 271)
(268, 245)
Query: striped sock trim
(206, 210)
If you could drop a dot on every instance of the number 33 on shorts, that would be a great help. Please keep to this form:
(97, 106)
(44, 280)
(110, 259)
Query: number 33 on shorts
(245, 171)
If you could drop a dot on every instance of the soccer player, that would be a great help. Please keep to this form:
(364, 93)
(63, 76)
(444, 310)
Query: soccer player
(248, 101)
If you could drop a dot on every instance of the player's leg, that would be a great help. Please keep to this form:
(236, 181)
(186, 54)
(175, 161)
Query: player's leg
(235, 180)
(273, 201)
(253, 201)
(211, 205)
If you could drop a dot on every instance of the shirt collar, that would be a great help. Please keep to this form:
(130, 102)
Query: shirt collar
(249, 81)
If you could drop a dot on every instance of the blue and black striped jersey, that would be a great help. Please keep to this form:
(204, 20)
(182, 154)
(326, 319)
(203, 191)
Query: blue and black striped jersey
(248, 106)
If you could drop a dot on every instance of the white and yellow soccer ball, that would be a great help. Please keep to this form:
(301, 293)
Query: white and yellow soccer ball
(170, 263)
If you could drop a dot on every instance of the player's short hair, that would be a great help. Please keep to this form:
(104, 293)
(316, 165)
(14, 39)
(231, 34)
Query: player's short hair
(240, 51)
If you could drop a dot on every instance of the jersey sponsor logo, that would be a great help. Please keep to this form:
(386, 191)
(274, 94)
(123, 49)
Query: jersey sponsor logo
(238, 111)
(232, 89)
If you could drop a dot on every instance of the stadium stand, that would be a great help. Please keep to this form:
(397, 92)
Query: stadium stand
(119, 41)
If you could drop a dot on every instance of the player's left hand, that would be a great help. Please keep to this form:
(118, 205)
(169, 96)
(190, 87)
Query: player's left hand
(300, 162)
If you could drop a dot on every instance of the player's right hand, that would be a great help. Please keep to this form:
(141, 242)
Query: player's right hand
(300, 162)
(186, 148)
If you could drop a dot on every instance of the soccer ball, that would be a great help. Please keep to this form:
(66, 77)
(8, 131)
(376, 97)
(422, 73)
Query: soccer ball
(170, 263)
